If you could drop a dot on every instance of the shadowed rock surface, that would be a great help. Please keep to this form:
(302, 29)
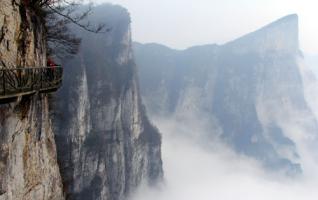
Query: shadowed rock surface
(249, 90)
(106, 144)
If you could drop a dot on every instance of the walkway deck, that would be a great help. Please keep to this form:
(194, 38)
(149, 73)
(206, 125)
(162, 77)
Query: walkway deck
(19, 82)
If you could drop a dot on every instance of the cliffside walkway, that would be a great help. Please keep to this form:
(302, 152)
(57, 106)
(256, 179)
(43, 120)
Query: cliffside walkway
(18, 82)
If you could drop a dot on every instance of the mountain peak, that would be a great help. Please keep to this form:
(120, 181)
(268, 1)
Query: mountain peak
(291, 20)
(281, 35)
(288, 18)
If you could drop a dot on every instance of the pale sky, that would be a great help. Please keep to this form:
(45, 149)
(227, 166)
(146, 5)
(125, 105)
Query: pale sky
(184, 23)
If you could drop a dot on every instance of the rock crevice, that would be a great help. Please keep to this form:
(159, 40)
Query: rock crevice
(28, 160)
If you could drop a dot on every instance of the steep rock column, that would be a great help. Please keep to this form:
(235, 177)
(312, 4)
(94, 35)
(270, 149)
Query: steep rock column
(106, 145)
(28, 164)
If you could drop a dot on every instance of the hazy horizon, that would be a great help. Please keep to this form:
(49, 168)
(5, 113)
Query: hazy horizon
(181, 24)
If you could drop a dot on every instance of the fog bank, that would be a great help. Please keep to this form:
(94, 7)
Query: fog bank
(194, 171)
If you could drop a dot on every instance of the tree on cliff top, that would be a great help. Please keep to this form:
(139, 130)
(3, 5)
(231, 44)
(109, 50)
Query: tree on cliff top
(58, 15)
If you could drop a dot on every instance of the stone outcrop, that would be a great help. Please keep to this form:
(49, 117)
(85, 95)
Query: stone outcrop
(249, 91)
(106, 144)
(28, 163)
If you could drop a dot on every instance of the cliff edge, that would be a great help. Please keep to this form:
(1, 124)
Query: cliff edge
(28, 163)
(106, 144)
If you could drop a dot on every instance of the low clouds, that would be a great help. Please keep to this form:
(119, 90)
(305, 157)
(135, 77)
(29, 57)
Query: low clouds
(200, 167)
(196, 172)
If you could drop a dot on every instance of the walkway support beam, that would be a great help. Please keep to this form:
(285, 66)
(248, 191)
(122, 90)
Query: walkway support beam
(24, 81)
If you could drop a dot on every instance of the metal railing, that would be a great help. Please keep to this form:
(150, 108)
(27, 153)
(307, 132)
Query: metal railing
(23, 81)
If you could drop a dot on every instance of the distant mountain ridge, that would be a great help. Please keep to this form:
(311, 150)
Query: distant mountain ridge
(249, 89)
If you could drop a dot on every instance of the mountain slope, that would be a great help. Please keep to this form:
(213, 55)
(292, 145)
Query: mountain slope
(106, 144)
(249, 91)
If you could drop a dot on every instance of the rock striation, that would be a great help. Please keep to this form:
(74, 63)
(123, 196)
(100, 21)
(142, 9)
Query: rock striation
(250, 91)
(106, 144)
(28, 160)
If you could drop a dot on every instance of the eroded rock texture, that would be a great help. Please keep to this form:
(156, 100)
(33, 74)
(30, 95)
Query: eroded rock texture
(106, 144)
(249, 92)
(28, 164)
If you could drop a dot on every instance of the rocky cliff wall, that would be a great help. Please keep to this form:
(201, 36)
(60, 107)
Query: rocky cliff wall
(249, 91)
(106, 144)
(28, 163)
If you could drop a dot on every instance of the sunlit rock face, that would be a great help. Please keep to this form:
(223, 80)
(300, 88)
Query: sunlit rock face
(106, 144)
(28, 164)
(249, 91)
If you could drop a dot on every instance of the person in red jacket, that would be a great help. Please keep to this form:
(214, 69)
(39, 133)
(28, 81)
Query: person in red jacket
(51, 63)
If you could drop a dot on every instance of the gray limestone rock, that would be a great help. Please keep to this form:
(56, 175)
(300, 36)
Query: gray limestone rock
(250, 89)
(28, 162)
(106, 144)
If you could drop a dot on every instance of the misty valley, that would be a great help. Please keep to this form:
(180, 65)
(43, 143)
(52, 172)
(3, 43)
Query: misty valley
(239, 117)
(88, 113)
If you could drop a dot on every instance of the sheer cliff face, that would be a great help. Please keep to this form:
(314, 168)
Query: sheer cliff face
(249, 90)
(106, 145)
(28, 164)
